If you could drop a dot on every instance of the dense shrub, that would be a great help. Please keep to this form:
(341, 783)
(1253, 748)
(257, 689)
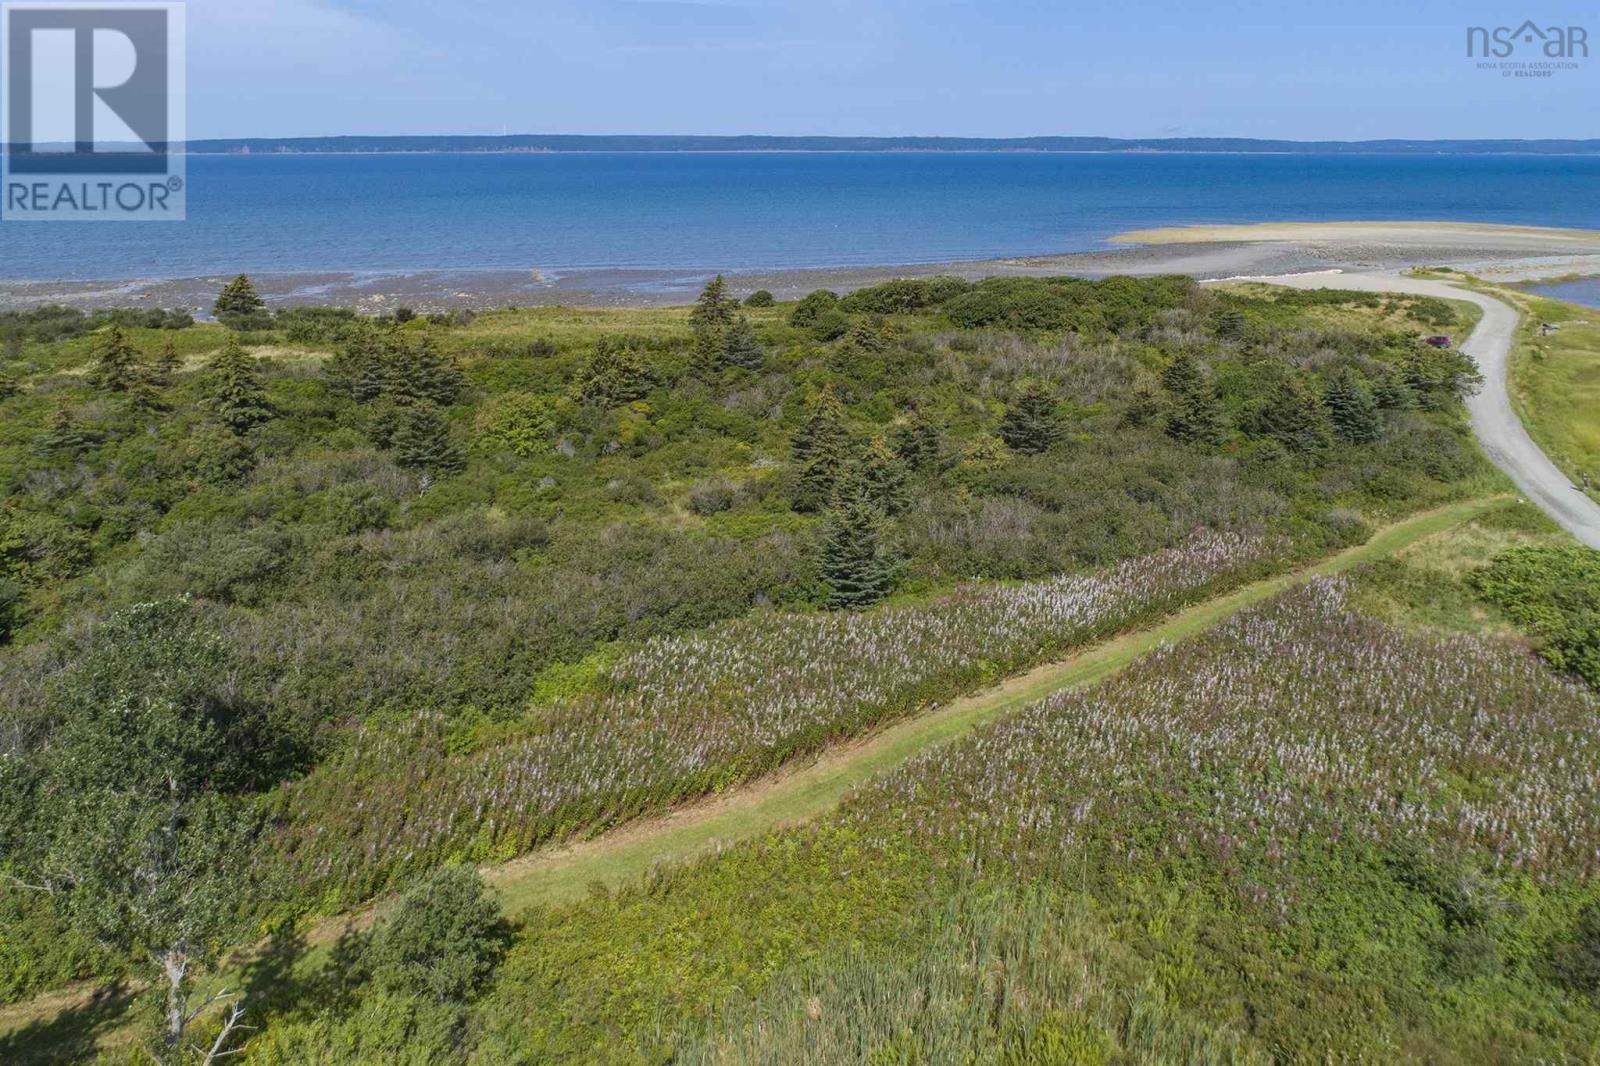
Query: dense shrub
(441, 940)
(1072, 304)
(1555, 593)
(905, 295)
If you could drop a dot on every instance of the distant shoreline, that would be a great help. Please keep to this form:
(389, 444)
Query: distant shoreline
(858, 151)
(531, 144)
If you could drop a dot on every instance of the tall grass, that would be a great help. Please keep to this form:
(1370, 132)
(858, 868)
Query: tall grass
(685, 716)
(1299, 720)
(1001, 980)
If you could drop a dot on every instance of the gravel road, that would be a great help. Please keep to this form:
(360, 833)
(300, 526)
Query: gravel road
(1498, 429)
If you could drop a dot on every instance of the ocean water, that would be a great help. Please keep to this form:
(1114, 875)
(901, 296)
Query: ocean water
(1585, 291)
(558, 212)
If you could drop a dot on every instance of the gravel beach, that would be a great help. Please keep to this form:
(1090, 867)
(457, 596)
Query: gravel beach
(1504, 253)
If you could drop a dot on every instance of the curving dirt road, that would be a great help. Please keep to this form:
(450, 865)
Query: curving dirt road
(1498, 429)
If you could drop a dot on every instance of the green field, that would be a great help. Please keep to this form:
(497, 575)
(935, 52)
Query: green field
(1554, 382)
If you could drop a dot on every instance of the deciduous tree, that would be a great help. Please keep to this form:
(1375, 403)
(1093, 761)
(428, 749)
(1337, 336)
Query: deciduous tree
(143, 840)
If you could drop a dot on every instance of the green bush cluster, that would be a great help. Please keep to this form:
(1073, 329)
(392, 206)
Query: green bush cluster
(1554, 593)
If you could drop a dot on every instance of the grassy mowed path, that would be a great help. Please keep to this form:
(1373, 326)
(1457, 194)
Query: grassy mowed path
(790, 797)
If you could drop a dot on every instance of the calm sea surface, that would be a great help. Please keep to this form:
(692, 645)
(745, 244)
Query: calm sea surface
(730, 211)
(1584, 291)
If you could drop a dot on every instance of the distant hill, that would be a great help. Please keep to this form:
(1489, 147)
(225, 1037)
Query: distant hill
(585, 143)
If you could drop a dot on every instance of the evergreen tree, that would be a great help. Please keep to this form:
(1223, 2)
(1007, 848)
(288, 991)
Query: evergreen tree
(870, 335)
(1231, 324)
(1294, 416)
(165, 369)
(918, 442)
(233, 390)
(855, 561)
(711, 320)
(422, 439)
(217, 456)
(880, 477)
(116, 363)
(742, 347)
(714, 309)
(239, 306)
(1031, 424)
(66, 435)
(1391, 391)
(1194, 411)
(616, 373)
(821, 451)
(357, 369)
(1144, 407)
(1352, 408)
(145, 398)
(422, 376)
(369, 365)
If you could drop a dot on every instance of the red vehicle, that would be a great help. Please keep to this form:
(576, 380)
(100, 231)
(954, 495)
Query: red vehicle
(1441, 341)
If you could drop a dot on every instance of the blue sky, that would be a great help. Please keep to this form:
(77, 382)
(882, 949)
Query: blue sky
(1137, 68)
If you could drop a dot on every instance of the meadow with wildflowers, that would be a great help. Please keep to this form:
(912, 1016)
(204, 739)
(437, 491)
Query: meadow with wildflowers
(683, 716)
(1304, 836)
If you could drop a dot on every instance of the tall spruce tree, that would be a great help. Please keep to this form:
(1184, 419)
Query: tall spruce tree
(1294, 416)
(918, 442)
(356, 368)
(1031, 424)
(67, 436)
(881, 477)
(1194, 410)
(711, 319)
(855, 559)
(239, 306)
(233, 391)
(165, 369)
(1352, 408)
(116, 363)
(742, 347)
(422, 439)
(821, 451)
(422, 375)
